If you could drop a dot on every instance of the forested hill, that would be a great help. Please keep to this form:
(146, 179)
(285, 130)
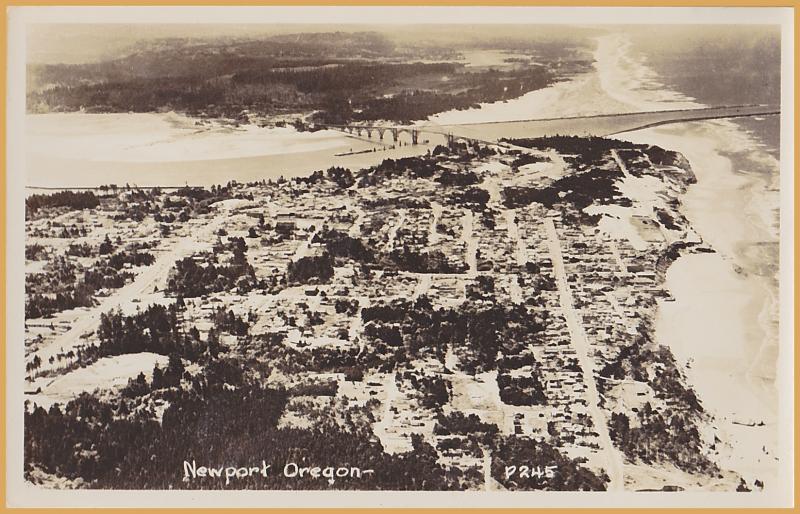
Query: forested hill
(181, 57)
(342, 76)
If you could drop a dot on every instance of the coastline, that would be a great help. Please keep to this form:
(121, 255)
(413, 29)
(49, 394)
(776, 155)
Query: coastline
(732, 364)
(722, 322)
(725, 334)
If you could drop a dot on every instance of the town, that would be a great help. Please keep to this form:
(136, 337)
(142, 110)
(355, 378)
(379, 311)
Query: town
(473, 310)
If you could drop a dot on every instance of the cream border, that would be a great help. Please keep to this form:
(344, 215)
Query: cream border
(19, 495)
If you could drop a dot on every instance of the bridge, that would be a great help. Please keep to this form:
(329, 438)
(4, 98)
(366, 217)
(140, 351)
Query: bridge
(369, 130)
(590, 125)
(413, 130)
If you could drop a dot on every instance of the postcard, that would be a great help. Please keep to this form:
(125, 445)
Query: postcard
(337, 256)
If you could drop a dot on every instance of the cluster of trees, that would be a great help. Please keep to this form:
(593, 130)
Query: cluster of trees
(389, 335)
(40, 306)
(228, 321)
(134, 258)
(467, 445)
(58, 288)
(311, 269)
(54, 289)
(588, 149)
(345, 78)
(426, 261)
(465, 152)
(528, 158)
(458, 423)
(409, 106)
(517, 361)
(73, 200)
(59, 230)
(215, 425)
(482, 287)
(80, 250)
(157, 329)
(166, 209)
(522, 390)
(668, 437)
(103, 276)
(190, 279)
(342, 246)
(457, 178)
(346, 306)
(476, 332)
(663, 157)
(435, 390)
(324, 388)
(132, 95)
(474, 198)
(342, 177)
(106, 247)
(410, 167)
(578, 190)
(404, 202)
(465, 90)
(633, 362)
(137, 452)
(35, 252)
(350, 361)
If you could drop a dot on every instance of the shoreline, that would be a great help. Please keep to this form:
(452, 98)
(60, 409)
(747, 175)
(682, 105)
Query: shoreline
(733, 362)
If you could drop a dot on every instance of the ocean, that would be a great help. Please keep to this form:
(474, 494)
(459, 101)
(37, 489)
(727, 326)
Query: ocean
(725, 317)
(718, 65)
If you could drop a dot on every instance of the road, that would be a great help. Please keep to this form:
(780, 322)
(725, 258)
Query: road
(472, 243)
(392, 442)
(392, 234)
(622, 167)
(613, 459)
(489, 482)
(592, 125)
(433, 233)
(142, 284)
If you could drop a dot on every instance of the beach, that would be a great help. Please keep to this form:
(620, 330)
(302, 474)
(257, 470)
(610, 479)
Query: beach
(723, 322)
(618, 83)
(170, 150)
(164, 137)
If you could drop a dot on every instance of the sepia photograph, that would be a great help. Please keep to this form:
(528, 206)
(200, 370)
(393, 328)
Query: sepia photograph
(337, 256)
